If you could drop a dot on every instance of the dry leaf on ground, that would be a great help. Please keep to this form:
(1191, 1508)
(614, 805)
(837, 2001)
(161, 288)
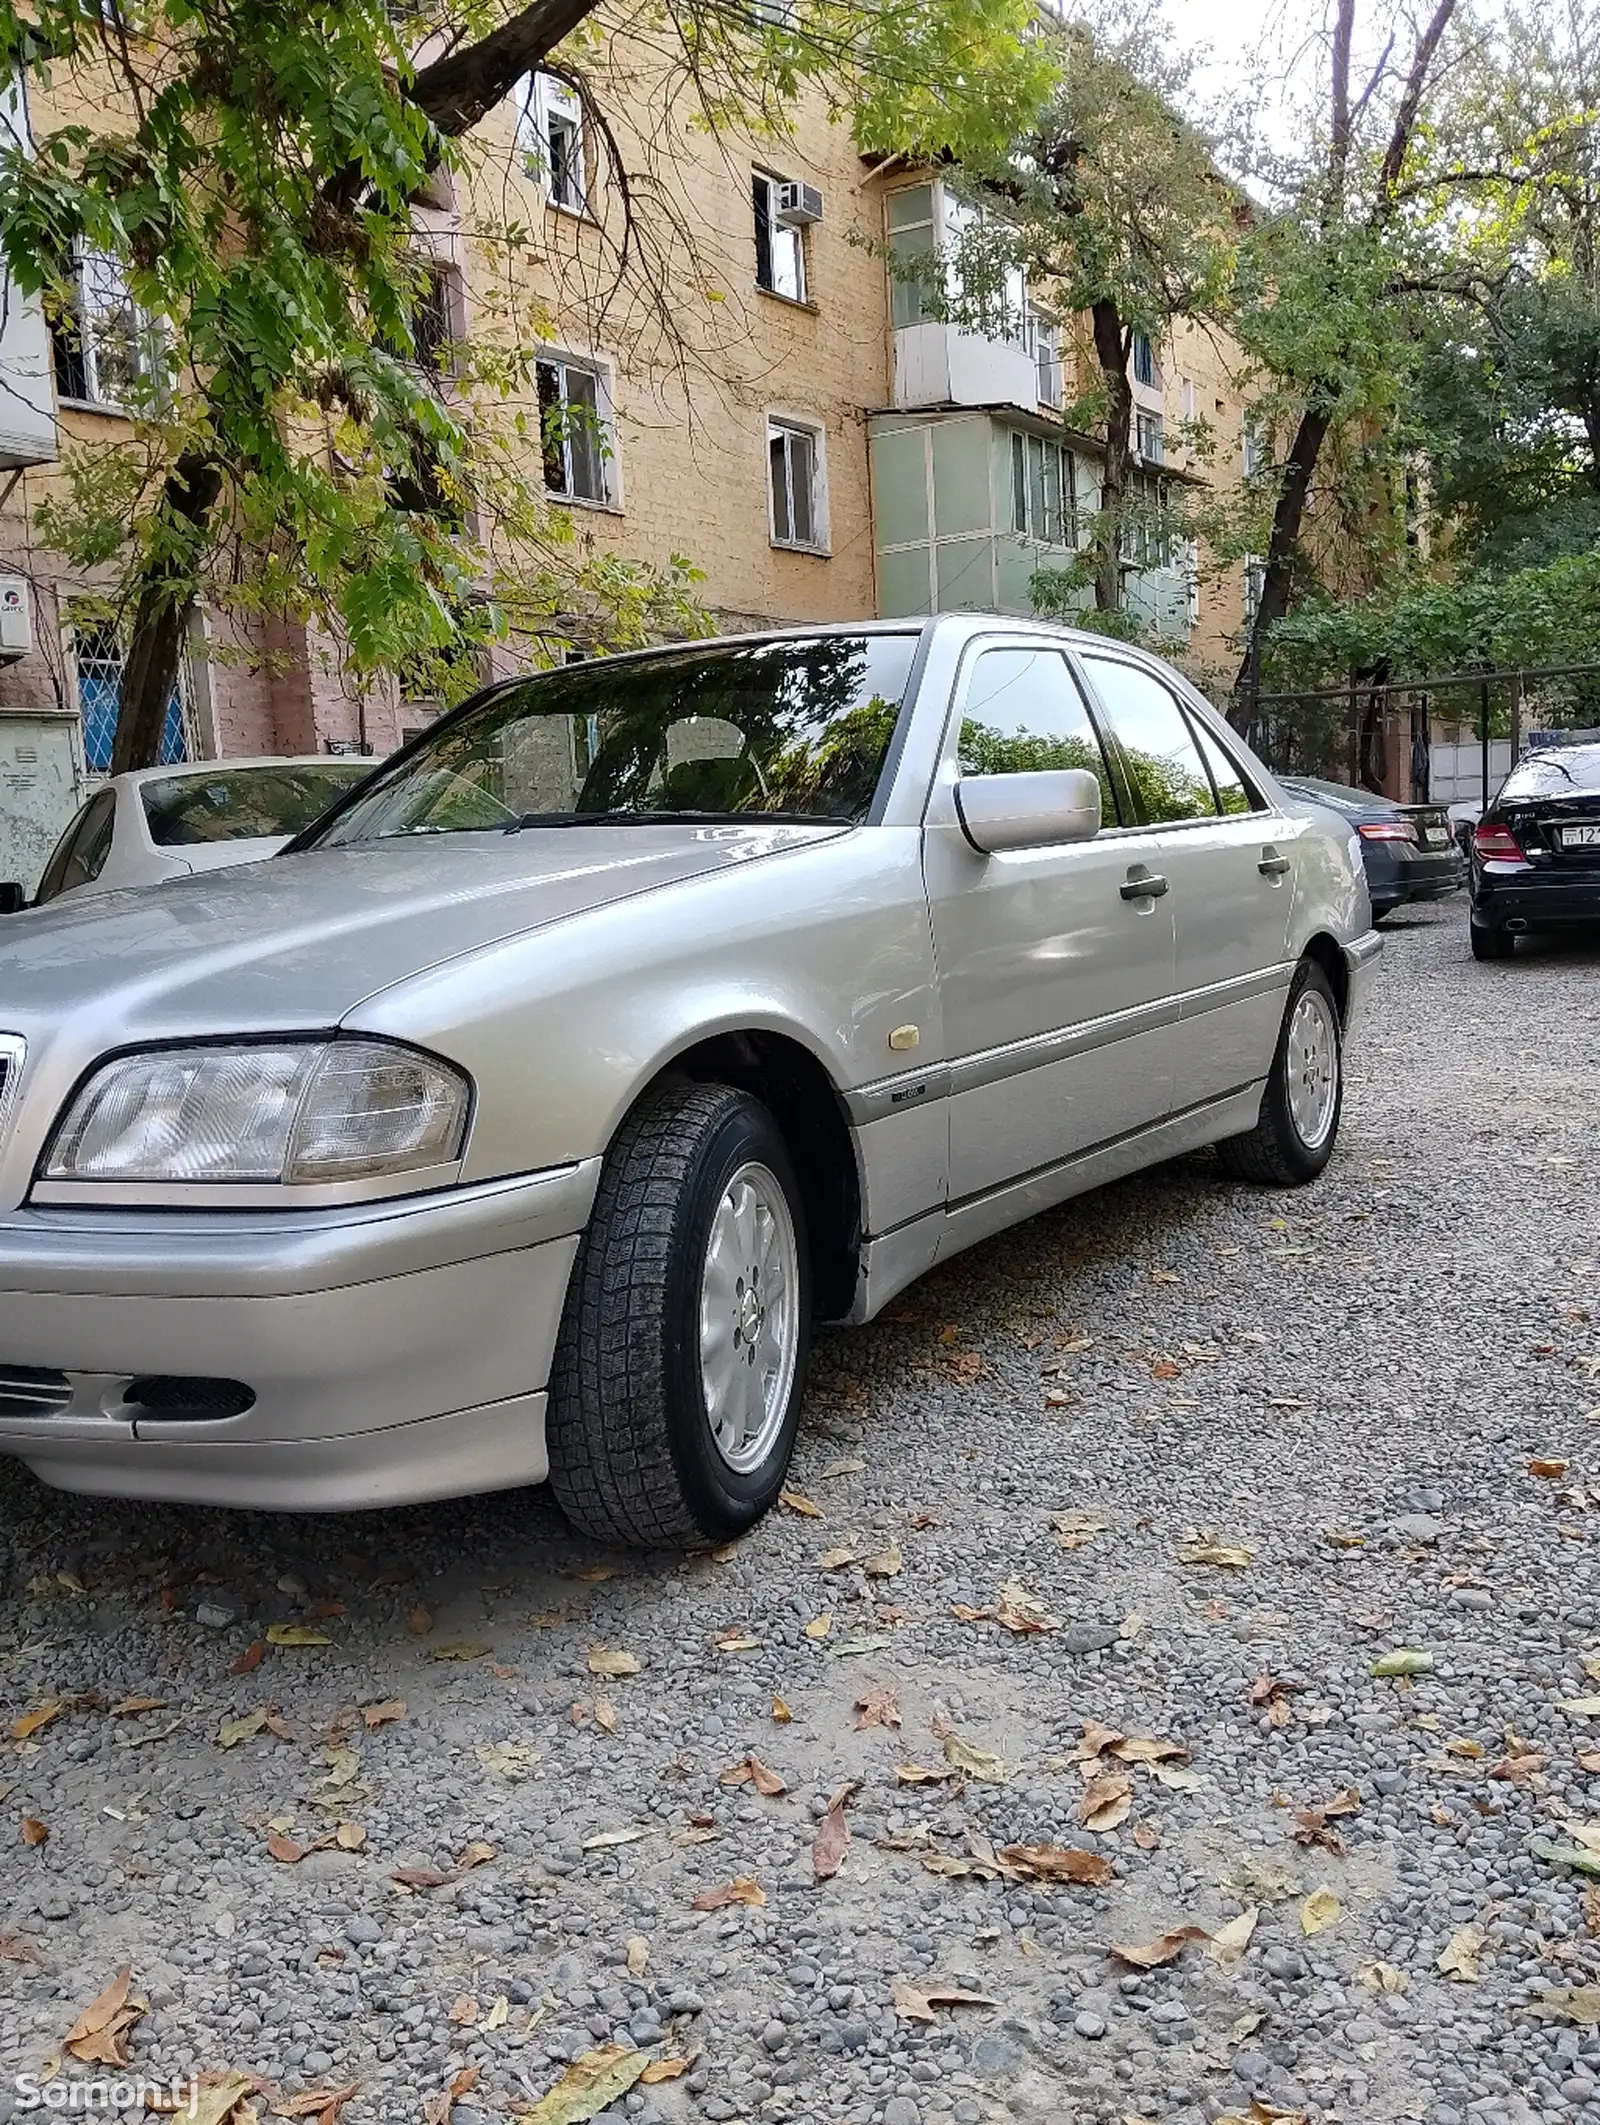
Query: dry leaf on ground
(250, 1659)
(1544, 1465)
(15, 1948)
(671, 2069)
(1382, 1977)
(613, 1662)
(1404, 1660)
(1147, 1749)
(610, 1840)
(589, 2085)
(797, 1502)
(1230, 1941)
(977, 1763)
(233, 1731)
(1107, 1801)
(459, 1649)
(1057, 1863)
(751, 1771)
(878, 1706)
(884, 1563)
(33, 1722)
(34, 1831)
(916, 2002)
(1458, 1958)
(323, 2104)
(1148, 1955)
(301, 1634)
(382, 1715)
(637, 1952)
(1571, 2003)
(1021, 1612)
(736, 1642)
(220, 2094)
(99, 2035)
(819, 1626)
(1208, 1550)
(832, 1840)
(437, 2108)
(741, 1890)
(1320, 1910)
(781, 1712)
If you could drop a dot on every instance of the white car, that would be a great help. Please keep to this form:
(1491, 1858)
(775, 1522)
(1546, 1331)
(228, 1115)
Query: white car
(166, 822)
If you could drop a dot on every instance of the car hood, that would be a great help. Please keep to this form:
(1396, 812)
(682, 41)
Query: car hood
(300, 940)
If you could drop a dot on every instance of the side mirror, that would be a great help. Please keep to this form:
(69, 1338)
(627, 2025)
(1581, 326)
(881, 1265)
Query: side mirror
(1028, 811)
(12, 898)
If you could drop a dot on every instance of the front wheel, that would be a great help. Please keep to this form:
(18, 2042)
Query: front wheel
(675, 1393)
(1294, 1136)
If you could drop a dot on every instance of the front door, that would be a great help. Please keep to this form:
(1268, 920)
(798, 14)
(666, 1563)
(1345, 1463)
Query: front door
(1056, 971)
(1230, 862)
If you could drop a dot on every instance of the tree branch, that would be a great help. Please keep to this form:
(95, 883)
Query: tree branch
(454, 92)
(1405, 118)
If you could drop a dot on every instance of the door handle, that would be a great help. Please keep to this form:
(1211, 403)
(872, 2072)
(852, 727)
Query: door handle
(1147, 887)
(1273, 866)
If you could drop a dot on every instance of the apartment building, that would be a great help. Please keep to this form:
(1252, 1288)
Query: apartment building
(764, 397)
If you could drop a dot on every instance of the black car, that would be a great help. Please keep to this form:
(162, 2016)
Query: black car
(1409, 850)
(1536, 850)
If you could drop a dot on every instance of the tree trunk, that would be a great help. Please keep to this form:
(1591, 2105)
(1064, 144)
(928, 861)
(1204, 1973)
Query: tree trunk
(162, 612)
(1283, 552)
(1111, 343)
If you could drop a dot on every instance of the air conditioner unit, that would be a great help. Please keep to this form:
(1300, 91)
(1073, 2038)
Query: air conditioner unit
(798, 205)
(16, 618)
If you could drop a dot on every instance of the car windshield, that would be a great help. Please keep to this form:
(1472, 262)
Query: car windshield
(796, 728)
(245, 803)
(1561, 771)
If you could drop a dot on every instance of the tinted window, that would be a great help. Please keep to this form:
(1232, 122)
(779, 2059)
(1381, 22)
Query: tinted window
(1168, 776)
(80, 855)
(244, 803)
(760, 729)
(1024, 711)
(1234, 794)
(1562, 771)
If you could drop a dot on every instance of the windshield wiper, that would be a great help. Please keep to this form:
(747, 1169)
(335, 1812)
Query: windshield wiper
(680, 818)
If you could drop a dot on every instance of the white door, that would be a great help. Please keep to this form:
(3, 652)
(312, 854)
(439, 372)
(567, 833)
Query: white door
(1230, 862)
(1056, 970)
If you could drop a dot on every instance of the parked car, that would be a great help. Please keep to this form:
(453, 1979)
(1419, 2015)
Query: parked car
(1409, 850)
(1536, 850)
(520, 1118)
(166, 822)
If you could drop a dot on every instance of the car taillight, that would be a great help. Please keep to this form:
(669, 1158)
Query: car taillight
(1497, 844)
(1388, 830)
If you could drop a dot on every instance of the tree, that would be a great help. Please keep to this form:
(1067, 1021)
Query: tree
(254, 171)
(1327, 285)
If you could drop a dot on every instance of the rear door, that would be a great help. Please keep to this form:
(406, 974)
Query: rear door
(1056, 972)
(1230, 860)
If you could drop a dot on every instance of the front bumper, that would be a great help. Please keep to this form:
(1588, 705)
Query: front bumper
(395, 1351)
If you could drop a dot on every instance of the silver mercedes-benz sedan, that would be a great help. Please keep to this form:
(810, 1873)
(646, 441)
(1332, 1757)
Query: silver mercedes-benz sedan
(519, 1119)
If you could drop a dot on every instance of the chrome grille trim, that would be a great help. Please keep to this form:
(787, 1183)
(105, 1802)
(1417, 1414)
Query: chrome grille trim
(34, 1391)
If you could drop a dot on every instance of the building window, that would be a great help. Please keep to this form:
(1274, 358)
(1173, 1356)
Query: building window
(1253, 455)
(1255, 579)
(1044, 499)
(107, 350)
(1148, 537)
(550, 133)
(794, 486)
(97, 659)
(574, 422)
(1150, 438)
(1047, 353)
(1144, 361)
(433, 325)
(913, 246)
(780, 251)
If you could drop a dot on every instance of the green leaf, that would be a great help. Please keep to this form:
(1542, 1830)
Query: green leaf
(1404, 1660)
(1572, 1856)
(589, 2085)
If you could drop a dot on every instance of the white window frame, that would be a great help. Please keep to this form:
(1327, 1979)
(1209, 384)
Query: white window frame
(92, 266)
(792, 241)
(566, 363)
(784, 424)
(1025, 490)
(541, 101)
(1149, 429)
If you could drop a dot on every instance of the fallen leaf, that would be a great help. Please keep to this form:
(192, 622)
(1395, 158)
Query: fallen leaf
(1149, 1955)
(977, 1763)
(916, 2002)
(609, 1840)
(1097, 1738)
(797, 1502)
(458, 1649)
(832, 1840)
(127, 1707)
(1382, 1977)
(751, 1771)
(849, 1466)
(839, 1558)
(511, 1760)
(736, 1642)
(1320, 1910)
(884, 1563)
(923, 1774)
(1228, 1556)
(1573, 1856)
(1581, 1707)
(1571, 2003)
(349, 1836)
(637, 1954)
(781, 1713)
(1404, 1660)
(1458, 1958)
(14, 1948)
(1057, 1863)
(233, 1731)
(285, 1850)
(741, 1890)
(1541, 1465)
(1176, 1777)
(436, 2110)
(1147, 1835)
(250, 1659)
(304, 1634)
(34, 1832)
(464, 2010)
(1230, 1941)
(819, 1626)
(218, 2095)
(1458, 1745)
(33, 1722)
(1021, 1612)
(878, 1707)
(1107, 1801)
(589, 2085)
(855, 1648)
(383, 1715)
(1076, 1530)
(99, 2034)
(605, 1715)
(1145, 1748)
(594, 1574)
(660, 2070)
(419, 1623)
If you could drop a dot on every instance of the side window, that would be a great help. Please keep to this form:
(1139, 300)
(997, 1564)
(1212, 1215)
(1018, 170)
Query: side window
(1024, 711)
(80, 855)
(1164, 766)
(1234, 794)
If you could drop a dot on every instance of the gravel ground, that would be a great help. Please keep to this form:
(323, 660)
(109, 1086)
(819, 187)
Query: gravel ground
(1349, 1384)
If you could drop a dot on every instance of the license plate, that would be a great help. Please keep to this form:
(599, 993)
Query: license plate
(1580, 837)
(1435, 836)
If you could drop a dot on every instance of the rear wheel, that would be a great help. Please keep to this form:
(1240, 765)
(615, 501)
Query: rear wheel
(1491, 943)
(679, 1369)
(1293, 1139)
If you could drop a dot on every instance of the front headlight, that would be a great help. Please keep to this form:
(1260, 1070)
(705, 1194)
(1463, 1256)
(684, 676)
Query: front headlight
(299, 1111)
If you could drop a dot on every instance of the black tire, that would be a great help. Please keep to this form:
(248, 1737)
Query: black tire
(1274, 1154)
(632, 1455)
(1491, 942)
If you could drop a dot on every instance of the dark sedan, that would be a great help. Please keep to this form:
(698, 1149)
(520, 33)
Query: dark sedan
(1536, 850)
(1409, 850)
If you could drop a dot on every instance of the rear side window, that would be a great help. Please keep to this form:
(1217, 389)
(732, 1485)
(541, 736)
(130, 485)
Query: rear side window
(80, 855)
(1234, 794)
(1023, 713)
(1562, 771)
(1164, 765)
